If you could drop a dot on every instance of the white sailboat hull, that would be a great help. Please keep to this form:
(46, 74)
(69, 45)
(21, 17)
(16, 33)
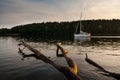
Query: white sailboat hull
(82, 37)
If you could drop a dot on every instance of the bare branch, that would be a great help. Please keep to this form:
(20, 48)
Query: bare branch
(37, 54)
(115, 75)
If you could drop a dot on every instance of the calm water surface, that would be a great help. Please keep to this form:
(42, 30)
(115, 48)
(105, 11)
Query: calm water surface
(107, 54)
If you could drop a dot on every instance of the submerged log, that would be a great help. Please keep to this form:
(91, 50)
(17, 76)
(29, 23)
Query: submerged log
(115, 75)
(37, 54)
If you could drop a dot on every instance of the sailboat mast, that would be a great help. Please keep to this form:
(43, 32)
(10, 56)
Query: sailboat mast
(80, 26)
(80, 22)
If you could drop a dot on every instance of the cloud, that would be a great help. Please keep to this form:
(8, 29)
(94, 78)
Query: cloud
(15, 12)
(104, 9)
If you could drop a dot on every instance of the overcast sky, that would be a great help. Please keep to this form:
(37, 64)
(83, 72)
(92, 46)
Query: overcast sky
(17, 12)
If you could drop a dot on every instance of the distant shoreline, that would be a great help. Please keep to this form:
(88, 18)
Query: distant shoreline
(9, 34)
(64, 30)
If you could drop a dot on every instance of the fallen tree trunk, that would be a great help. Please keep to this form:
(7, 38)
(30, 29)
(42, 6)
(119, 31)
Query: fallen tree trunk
(37, 54)
(115, 75)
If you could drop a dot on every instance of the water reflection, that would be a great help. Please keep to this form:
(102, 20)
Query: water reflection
(105, 53)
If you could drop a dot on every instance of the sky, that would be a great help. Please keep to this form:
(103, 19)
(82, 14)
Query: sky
(20, 12)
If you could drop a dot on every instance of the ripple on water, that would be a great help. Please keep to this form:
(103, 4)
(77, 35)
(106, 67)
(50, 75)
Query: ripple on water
(13, 68)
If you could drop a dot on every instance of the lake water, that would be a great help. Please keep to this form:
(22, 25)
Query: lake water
(107, 54)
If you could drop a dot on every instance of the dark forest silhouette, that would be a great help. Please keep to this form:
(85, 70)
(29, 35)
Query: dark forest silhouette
(64, 30)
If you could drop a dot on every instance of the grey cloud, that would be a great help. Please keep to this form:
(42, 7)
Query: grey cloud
(14, 12)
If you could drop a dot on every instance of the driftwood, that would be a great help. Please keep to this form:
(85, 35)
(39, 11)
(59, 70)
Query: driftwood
(70, 75)
(115, 75)
(71, 63)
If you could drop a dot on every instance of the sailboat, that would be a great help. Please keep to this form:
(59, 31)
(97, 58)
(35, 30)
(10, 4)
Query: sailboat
(81, 36)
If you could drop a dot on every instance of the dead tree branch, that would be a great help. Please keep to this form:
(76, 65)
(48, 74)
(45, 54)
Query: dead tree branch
(115, 75)
(38, 55)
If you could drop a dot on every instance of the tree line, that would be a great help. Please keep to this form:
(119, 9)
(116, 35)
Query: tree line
(64, 30)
